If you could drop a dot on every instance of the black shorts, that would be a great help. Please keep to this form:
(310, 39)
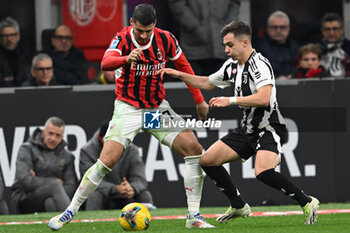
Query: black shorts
(270, 138)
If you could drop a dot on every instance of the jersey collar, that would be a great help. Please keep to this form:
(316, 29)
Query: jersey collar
(137, 45)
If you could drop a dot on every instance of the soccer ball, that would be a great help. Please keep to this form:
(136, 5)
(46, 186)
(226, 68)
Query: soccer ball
(135, 217)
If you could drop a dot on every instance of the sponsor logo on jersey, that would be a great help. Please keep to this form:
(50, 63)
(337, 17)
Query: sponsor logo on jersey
(147, 69)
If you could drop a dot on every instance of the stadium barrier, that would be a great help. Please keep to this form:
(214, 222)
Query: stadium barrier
(315, 156)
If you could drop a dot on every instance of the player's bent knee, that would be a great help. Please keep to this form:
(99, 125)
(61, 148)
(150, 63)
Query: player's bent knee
(111, 153)
(208, 161)
(192, 148)
(196, 148)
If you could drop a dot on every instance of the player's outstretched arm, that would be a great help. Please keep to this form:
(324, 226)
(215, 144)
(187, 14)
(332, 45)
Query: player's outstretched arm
(200, 82)
(259, 99)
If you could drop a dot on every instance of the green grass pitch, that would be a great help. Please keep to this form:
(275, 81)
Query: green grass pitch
(326, 223)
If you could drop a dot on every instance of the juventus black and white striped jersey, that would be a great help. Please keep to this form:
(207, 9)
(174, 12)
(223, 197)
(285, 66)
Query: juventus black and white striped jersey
(245, 80)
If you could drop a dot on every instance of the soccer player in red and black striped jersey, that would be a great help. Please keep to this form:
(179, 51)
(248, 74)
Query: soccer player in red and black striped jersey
(137, 52)
(141, 51)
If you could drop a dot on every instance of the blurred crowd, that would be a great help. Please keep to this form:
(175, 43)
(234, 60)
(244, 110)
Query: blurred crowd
(62, 63)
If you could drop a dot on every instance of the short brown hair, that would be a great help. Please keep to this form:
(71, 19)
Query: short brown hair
(238, 28)
(310, 48)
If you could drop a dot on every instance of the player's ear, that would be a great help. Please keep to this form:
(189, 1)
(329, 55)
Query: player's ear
(246, 42)
(131, 21)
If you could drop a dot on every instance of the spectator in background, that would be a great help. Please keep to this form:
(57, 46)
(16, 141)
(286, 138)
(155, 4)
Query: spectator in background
(200, 25)
(126, 182)
(68, 60)
(278, 46)
(14, 61)
(41, 71)
(45, 177)
(309, 65)
(335, 48)
(106, 77)
(3, 206)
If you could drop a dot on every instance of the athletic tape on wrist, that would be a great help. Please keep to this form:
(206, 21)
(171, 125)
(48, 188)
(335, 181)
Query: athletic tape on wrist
(233, 100)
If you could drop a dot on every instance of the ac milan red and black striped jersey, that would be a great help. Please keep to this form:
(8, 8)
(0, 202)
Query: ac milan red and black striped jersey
(138, 83)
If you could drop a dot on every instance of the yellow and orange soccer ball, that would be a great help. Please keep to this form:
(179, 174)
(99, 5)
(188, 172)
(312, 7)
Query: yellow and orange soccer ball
(135, 217)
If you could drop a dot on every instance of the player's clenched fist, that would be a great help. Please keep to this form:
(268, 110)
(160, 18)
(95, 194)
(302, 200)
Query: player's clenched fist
(134, 55)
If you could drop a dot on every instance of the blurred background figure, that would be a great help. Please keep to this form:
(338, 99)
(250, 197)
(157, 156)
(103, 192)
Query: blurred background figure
(3, 205)
(45, 177)
(105, 77)
(41, 72)
(200, 24)
(15, 62)
(126, 182)
(335, 47)
(309, 65)
(278, 46)
(68, 61)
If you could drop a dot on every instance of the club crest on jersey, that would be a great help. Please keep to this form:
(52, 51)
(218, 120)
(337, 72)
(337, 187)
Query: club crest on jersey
(159, 55)
(245, 77)
(234, 70)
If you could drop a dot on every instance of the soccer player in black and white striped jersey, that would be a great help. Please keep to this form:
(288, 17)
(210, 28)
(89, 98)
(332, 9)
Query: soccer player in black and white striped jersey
(262, 132)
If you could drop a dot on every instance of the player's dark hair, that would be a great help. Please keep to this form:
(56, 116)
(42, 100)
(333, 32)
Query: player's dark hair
(145, 14)
(238, 28)
(329, 17)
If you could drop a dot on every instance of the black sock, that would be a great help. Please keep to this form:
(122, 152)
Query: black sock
(223, 181)
(281, 182)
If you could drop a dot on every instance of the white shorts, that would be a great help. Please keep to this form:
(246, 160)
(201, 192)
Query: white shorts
(128, 121)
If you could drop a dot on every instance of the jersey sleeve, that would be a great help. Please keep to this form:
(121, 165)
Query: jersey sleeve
(220, 77)
(174, 50)
(116, 44)
(262, 74)
(183, 65)
(113, 57)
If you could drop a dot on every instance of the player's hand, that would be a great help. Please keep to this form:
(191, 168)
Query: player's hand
(173, 73)
(202, 110)
(219, 102)
(134, 56)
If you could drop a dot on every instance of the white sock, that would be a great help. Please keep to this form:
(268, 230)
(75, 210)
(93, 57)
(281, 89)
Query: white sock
(91, 179)
(193, 180)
